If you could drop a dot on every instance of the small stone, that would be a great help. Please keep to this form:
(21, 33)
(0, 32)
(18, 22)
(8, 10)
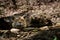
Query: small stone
(57, 25)
(18, 35)
(14, 30)
(44, 28)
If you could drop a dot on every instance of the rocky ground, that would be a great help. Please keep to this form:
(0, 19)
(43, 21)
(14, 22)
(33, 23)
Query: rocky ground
(30, 19)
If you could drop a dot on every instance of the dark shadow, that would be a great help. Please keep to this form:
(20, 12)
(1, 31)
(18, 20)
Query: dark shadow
(4, 25)
(40, 22)
(14, 3)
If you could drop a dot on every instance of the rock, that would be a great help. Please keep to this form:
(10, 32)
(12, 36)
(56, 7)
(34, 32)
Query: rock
(14, 30)
(44, 28)
(57, 25)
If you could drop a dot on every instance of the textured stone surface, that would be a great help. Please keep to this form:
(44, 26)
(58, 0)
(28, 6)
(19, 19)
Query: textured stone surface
(42, 14)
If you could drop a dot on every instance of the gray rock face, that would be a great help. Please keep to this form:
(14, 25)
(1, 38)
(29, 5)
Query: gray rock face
(11, 7)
